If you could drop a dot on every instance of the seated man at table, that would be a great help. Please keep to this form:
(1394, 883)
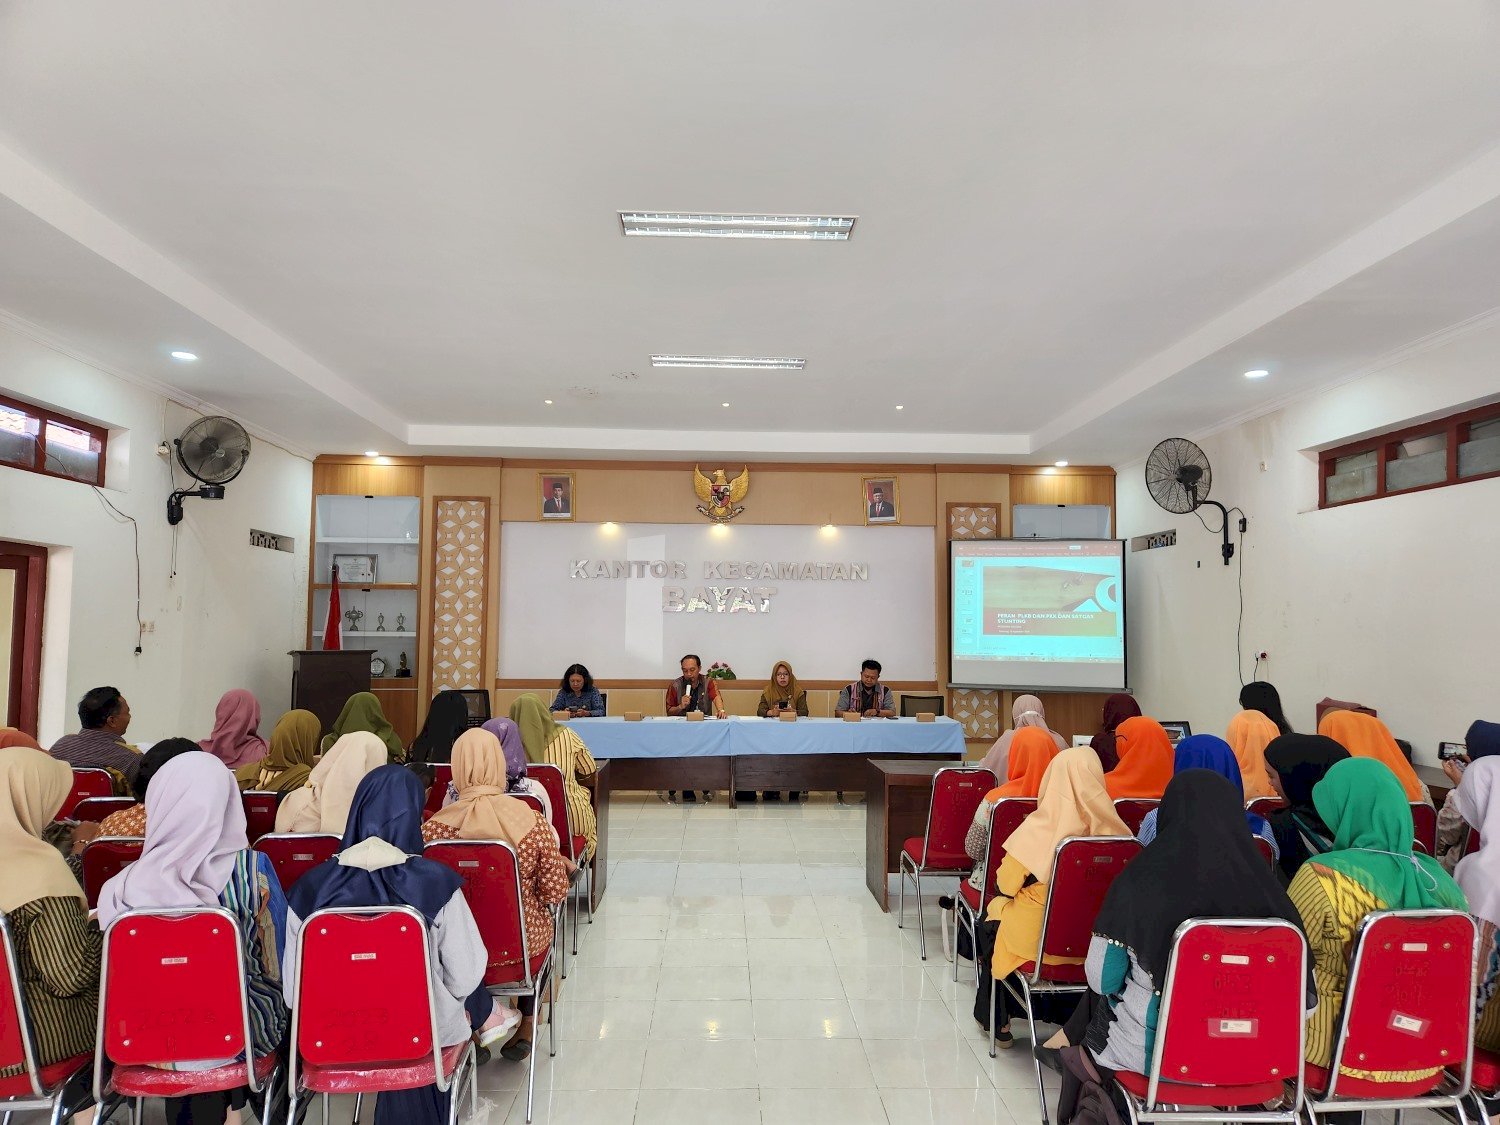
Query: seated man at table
(104, 715)
(693, 691)
(867, 695)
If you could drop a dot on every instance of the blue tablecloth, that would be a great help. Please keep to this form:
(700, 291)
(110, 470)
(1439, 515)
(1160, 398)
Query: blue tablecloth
(661, 738)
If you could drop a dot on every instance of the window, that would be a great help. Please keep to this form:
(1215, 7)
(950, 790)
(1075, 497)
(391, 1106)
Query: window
(1445, 451)
(43, 441)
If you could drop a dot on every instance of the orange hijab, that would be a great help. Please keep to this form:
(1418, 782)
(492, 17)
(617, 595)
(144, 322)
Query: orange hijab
(1071, 802)
(1146, 760)
(1249, 734)
(1031, 752)
(1365, 736)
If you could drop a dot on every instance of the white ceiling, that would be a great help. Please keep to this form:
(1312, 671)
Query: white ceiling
(394, 225)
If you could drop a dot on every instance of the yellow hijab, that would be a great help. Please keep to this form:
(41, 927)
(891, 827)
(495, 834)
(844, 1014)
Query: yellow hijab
(294, 745)
(1071, 802)
(1365, 736)
(483, 811)
(35, 785)
(775, 693)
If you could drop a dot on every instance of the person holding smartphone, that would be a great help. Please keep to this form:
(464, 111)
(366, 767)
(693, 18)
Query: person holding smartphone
(1481, 741)
(693, 691)
(782, 696)
(577, 695)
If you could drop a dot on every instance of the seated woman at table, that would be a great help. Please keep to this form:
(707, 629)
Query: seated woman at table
(545, 741)
(577, 694)
(780, 697)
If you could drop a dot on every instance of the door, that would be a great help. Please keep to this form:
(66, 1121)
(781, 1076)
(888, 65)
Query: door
(23, 590)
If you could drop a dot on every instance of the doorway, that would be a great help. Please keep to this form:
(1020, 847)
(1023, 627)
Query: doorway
(23, 594)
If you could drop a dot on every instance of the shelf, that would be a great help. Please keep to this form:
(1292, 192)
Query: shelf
(366, 634)
(366, 585)
(368, 541)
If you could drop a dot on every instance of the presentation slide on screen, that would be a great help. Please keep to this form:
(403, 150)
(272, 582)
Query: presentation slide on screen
(1039, 614)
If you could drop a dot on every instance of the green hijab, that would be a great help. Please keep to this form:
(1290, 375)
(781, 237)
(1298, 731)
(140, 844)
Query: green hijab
(362, 712)
(1363, 803)
(294, 747)
(538, 728)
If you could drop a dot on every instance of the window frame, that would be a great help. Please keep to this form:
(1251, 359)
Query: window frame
(39, 460)
(1384, 446)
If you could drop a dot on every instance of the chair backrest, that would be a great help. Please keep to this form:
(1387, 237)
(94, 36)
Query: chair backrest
(364, 990)
(492, 888)
(921, 705)
(173, 989)
(551, 777)
(1265, 806)
(260, 812)
(94, 809)
(1232, 1005)
(1409, 1000)
(604, 701)
(1472, 842)
(293, 855)
(1267, 853)
(1424, 824)
(1005, 817)
(956, 793)
(1133, 810)
(88, 781)
(18, 1047)
(104, 857)
(533, 800)
(1082, 871)
(442, 776)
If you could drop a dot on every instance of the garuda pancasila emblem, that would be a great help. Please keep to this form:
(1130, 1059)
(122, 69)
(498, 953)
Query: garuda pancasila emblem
(721, 497)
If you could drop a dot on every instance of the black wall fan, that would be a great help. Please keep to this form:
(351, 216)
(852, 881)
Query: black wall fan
(1179, 477)
(212, 451)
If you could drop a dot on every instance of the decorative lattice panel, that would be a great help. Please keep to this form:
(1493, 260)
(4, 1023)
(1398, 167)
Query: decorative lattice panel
(458, 592)
(978, 711)
(973, 521)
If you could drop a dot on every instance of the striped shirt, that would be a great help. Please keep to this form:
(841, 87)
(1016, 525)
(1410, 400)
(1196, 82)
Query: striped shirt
(98, 749)
(57, 950)
(569, 754)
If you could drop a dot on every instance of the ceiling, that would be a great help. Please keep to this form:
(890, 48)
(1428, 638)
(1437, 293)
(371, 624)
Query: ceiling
(395, 226)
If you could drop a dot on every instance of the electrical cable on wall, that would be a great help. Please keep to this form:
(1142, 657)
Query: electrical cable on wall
(1239, 626)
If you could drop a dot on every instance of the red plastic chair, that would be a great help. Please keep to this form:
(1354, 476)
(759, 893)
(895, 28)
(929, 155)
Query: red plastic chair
(1005, 817)
(1231, 1025)
(1424, 824)
(104, 857)
(87, 782)
(1486, 1082)
(346, 961)
(1266, 851)
(1265, 806)
(172, 989)
(442, 776)
(1408, 1005)
(1472, 843)
(956, 793)
(294, 855)
(1133, 810)
(534, 801)
(92, 810)
(260, 812)
(492, 888)
(1082, 871)
(35, 1087)
(574, 845)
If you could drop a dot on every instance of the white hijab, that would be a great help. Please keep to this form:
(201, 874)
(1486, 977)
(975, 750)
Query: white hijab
(322, 805)
(1478, 801)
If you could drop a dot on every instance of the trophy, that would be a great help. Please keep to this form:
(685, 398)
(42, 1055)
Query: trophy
(402, 669)
(354, 616)
(380, 623)
(400, 622)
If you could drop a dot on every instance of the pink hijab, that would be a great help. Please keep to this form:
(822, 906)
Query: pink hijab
(234, 740)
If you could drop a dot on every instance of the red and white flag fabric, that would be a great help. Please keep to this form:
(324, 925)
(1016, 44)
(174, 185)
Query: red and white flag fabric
(333, 628)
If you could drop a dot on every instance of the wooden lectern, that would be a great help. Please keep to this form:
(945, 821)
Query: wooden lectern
(323, 679)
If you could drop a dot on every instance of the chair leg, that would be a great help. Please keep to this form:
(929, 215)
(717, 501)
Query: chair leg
(135, 1111)
(560, 941)
(1036, 1062)
(921, 923)
(359, 1101)
(291, 1104)
(573, 898)
(588, 878)
(531, 1064)
(901, 891)
(325, 1109)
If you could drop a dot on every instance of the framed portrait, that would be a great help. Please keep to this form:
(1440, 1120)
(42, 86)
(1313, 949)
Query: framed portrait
(355, 570)
(882, 504)
(557, 495)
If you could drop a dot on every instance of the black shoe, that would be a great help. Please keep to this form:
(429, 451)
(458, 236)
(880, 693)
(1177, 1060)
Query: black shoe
(689, 797)
(1004, 1039)
(945, 902)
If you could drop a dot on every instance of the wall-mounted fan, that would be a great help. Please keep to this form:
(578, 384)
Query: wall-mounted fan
(1179, 477)
(212, 451)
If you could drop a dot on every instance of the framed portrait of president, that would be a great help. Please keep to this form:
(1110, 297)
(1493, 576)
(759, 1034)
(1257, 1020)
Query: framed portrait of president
(557, 495)
(882, 504)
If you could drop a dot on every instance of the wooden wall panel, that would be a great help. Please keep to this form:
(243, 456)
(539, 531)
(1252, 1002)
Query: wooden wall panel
(366, 479)
(1062, 488)
(460, 603)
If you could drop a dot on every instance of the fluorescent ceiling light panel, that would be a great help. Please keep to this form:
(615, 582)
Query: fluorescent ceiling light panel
(745, 362)
(708, 224)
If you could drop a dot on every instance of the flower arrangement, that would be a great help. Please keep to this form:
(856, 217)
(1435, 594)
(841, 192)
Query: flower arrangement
(718, 670)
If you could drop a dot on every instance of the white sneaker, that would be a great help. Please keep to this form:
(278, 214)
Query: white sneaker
(510, 1018)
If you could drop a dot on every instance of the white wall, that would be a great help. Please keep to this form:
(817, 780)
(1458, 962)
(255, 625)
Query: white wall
(1390, 602)
(231, 612)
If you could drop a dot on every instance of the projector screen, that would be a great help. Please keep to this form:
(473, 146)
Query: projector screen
(1038, 613)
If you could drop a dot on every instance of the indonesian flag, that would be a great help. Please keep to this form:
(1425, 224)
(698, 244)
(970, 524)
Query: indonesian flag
(333, 628)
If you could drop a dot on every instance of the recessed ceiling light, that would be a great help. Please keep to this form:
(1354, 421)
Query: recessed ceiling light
(372, 453)
(746, 362)
(723, 404)
(546, 402)
(1061, 464)
(1258, 373)
(709, 224)
(900, 407)
(185, 356)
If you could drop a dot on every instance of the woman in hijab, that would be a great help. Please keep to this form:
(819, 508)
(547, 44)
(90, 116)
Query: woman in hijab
(1208, 752)
(1365, 736)
(57, 950)
(132, 821)
(196, 854)
(1072, 802)
(485, 811)
(1371, 867)
(1146, 759)
(322, 805)
(516, 781)
(362, 713)
(1482, 741)
(1250, 733)
(1025, 713)
(447, 718)
(294, 746)
(1478, 801)
(1030, 754)
(1117, 708)
(381, 864)
(546, 741)
(1202, 864)
(1260, 696)
(67, 837)
(235, 740)
(781, 695)
(1298, 763)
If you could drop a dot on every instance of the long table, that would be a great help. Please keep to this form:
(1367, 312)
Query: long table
(746, 754)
